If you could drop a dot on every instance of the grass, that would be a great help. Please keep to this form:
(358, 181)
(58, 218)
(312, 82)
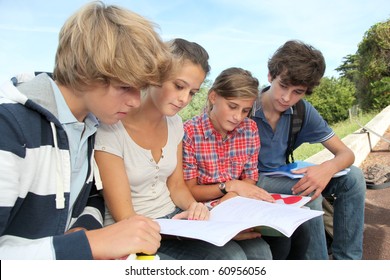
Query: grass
(341, 129)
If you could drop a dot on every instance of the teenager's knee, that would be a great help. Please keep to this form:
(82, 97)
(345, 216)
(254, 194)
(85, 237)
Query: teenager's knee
(355, 182)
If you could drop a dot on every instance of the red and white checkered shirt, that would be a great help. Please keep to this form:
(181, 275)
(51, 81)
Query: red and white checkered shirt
(211, 159)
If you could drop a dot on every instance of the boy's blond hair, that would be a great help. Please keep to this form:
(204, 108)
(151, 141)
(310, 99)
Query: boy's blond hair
(100, 43)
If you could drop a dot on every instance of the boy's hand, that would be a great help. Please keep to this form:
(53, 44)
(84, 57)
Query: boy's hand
(136, 234)
(314, 182)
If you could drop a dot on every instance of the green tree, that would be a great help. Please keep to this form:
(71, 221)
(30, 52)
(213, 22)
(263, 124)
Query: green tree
(369, 68)
(380, 93)
(198, 102)
(349, 68)
(332, 98)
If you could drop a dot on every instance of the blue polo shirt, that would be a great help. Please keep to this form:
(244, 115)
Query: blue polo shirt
(274, 143)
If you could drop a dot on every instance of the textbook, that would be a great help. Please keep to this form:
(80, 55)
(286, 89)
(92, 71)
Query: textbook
(234, 215)
(285, 170)
(286, 199)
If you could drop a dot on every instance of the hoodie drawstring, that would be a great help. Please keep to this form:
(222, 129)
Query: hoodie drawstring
(60, 197)
(96, 174)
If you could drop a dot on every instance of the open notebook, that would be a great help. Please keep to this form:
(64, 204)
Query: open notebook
(234, 215)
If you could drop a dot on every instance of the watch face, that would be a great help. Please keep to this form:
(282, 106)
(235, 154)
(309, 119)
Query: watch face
(222, 188)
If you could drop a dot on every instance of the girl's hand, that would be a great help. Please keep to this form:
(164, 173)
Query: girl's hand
(196, 211)
(247, 234)
(248, 190)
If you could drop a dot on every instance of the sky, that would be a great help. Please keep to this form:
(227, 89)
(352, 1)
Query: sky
(242, 33)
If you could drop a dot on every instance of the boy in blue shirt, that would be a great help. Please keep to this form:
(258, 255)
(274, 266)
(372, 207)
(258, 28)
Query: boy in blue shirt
(294, 70)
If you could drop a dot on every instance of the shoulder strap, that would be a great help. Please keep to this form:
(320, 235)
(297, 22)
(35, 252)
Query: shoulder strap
(296, 122)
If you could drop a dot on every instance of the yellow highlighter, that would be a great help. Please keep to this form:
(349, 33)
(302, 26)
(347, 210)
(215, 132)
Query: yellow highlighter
(143, 257)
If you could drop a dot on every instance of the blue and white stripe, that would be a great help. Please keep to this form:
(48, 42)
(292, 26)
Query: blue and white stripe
(35, 176)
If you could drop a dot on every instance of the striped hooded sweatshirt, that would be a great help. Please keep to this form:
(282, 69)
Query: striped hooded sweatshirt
(35, 178)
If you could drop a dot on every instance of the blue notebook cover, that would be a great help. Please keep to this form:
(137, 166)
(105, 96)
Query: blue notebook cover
(285, 170)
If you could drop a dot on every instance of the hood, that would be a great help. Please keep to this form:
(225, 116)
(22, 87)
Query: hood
(36, 93)
(25, 87)
(9, 91)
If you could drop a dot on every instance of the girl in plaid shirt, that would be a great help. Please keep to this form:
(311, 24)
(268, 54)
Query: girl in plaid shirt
(220, 155)
(220, 149)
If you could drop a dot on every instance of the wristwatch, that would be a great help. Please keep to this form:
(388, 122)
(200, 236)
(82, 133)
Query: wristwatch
(222, 188)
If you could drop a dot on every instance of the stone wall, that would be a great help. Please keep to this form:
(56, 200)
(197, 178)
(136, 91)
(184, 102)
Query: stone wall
(359, 142)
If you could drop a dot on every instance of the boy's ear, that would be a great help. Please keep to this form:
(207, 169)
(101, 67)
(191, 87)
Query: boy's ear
(269, 77)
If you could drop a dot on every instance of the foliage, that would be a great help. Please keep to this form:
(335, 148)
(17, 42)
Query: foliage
(349, 67)
(198, 102)
(369, 68)
(380, 93)
(332, 98)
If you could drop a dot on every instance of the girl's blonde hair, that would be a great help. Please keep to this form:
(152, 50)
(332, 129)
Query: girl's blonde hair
(234, 82)
(101, 43)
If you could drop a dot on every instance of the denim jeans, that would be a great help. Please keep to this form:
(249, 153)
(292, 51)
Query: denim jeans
(192, 249)
(289, 248)
(348, 220)
(255, 249)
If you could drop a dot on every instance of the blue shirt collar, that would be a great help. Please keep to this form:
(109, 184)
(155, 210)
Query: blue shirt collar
(65, 115)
